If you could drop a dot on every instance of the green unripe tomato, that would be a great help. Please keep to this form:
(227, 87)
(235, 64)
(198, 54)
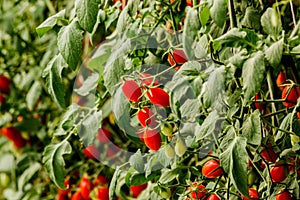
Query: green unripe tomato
(169, 151)
(180, 147)
(166, 129)
(4, 180)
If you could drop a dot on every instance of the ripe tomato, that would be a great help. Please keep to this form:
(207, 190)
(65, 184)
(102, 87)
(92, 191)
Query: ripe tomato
(67, 185)
(61, 196)
(152, 139)
(100, 180)
(77, 196)
(85, 187)
(281, 79)
(137, 189)
(197, 191)
(284, 196)
(14, 135)
(278, 172)
(102, 193)
(253, 194)
(269, 154)
(177, 57)
(5, 84)
(147, 118)
(290, 97)
(132, 90)
(259, 106)
(92, 152)
(213, 197)
(158, 97)
(104, 135)
(148, 80)
(212, 169)
(140, 133)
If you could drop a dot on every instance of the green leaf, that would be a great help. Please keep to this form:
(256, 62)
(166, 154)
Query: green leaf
(5, 119)
(252, 128)
(234, 162)
(28, 174)
(204, 15)
(49, 23)
(190, 109)
(89, 127)
(33, 94)
(134, 178)
(54, 162)
(218, 12)
(68, 120)
(208, 126)
(253, 74)
(201, 50)
(69, 42)
(88, 85)
(190, 30)
(7, 161)
(126, 16)
(239, 58)
(113, 183)
(232, 38)
(285, 125)
(274, 53)
(86, 11)
(169, 175)
(54, 82)
(251, 18)
(137, 161)
(271, 22)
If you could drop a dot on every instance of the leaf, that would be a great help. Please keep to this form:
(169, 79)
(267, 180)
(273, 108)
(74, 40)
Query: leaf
(204, 15)
(54, 82)
(253, 74)
(234, 162)
(54, 162)
(251, 18)
(89, 127)
(190, 109)
(202, 48)
(190, 30)
(274, 53)
(5, 119)
(208, 126)
(88, 85)
(169, 175)
(113, 183)
(252, 128)
(285, 125)
(49, 23)
(86, 11)
(28, 174)
(33, 95)
(68, 120)
(114, 68)
(232, 38)
(137, 161)
(7, 161)
(271, 22)
(218, 12)
(69, 43)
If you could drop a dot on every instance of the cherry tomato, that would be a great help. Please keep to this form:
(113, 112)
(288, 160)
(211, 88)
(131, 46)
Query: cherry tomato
(132, 91)
(67, 185)
(137, 189)
(102, 193)
(290, 97)
(269, 154)
(259, 106)
(104, 135)
(77, 196)
(5, 84)
(158, 97)
(197, 191)
(281, 79)
(253, 194)
(61, 196)
(177, 57)
(85, 187)
(147, 118)
(148, 80)
(284, 196)
(212, 169)
(14, 135)
(92, 152)
(140, 133)
(213, 197)
(278, 172)
(152, 139)
(100, 180)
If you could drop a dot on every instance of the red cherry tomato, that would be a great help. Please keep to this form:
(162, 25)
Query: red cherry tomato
(259, 106)
(61, 196)
(284, 196)
(104, 135)
(281, 79)
(5, 84)
(213, 197)
(211, 169)
(102, 193)
(148, 80)
(67, 185)
(77, 196)
(85, 187)
(278, 172)
(140, 133)
(14, 135)
(147, 118)
(132, 91)
(152, 139)
(100, 180)
(158, 97)
(137, 189)
(253, 194)
(290, 97)
(269, 154)
(92, 152)
(177, 57)
(197, 191)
